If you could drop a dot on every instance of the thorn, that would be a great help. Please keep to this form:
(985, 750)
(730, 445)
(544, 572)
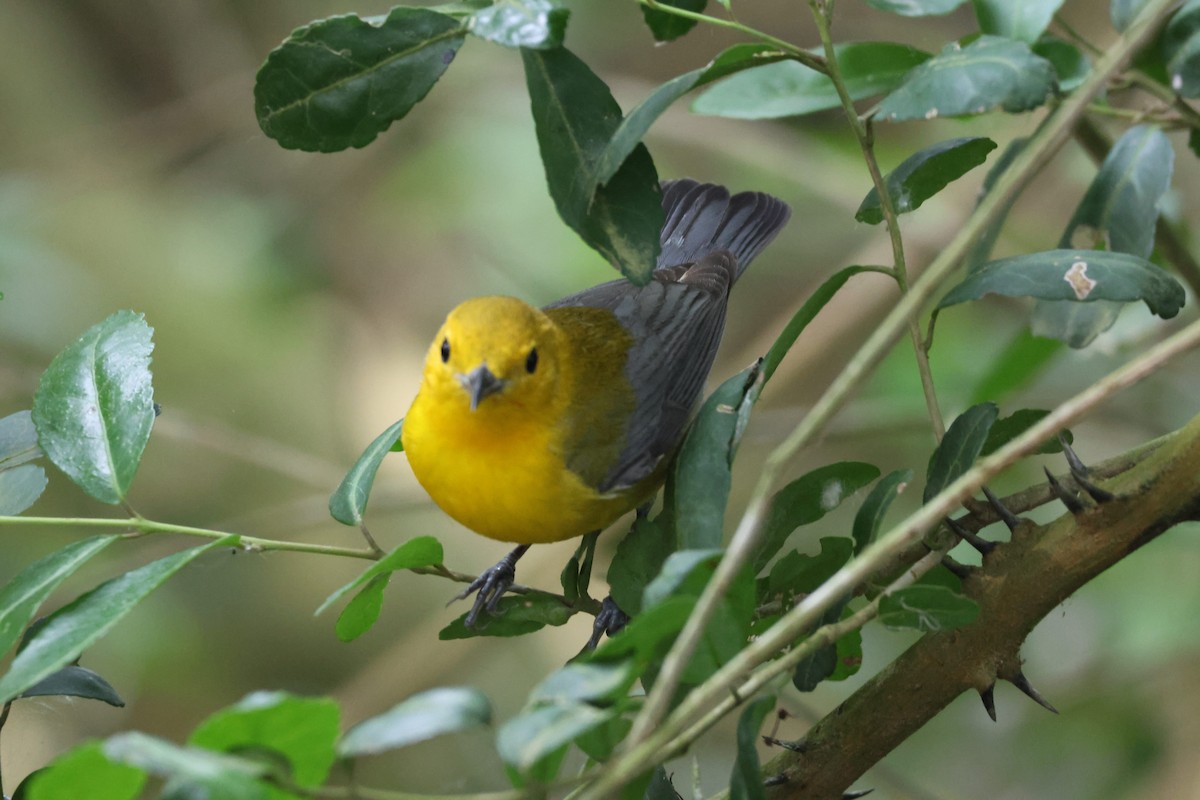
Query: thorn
(982, 545)
(1080, 473)
(1007, 517)
(856, 794)
(988, 696)
(961, 571)
(1021, 682)
(1069, 500)
(798, 746)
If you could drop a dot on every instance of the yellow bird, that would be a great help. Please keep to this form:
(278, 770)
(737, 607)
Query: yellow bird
(537, 425)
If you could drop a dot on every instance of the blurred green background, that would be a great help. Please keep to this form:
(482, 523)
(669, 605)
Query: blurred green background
(293, 296)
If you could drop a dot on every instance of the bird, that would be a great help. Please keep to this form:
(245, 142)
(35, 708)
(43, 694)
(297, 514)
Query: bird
(535, 425)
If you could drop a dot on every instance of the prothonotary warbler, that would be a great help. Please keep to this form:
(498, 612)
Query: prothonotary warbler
(537, 425)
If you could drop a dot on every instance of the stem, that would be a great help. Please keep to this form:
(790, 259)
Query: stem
(639, 751)
(803, 56)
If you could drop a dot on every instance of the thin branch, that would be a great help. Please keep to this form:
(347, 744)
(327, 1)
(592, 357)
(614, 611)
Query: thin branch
(803, 56)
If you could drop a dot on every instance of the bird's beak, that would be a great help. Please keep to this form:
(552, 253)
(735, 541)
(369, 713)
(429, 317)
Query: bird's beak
(480, 383)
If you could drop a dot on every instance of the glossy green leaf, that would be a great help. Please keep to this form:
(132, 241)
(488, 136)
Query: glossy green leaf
(300, 729)
(701, 476)
(788, 88)
(1021, 360)
(927, 608)
(584, 682)
(961, 445)
(1122, 12)
(74, 681)
(20, 487)
(634, 126)
(340, 82)
(348, 502)
(806, 314)
(421, 717)
(807, 499)
(746, 780)
(1181, 49)
(1077, 275)
(515, 615)
(1024, 20)
(800, 574)
(362, 612)
(871, 513)
(20, 598)
(423, 551)
(1008, 428)
(18, 440)
(537, 734)
(916, 8)
(74, 627)
(924, 174)
(638, 559)
(1070, 64)
(521, 23)
(190, 771)
(988, 73)
(667, 26)
(575, 117)
(94, 406)
(84, 772)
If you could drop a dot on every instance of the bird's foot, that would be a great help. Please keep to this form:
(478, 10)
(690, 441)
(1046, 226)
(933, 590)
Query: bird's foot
(611, 620)
(491, 585)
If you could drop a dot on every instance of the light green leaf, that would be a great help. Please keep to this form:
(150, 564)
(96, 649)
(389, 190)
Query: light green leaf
(94, 406)
(340, 82)
(1181, 49)
(423, 551)
(1024, 20)
(960, 447)
(788, 88)
(362, 612)
(421, 717)
(191, 771)
(1070, 64)
(521, 23)
(988, 73)
(84, 772)
(1122, 12)
(676, 570)
(20, 487)
(585, 682)
(18, 440)
(924, 174)
(530, 741)
(74, 627)
(916, 8)
(927, 608)
(348, 502)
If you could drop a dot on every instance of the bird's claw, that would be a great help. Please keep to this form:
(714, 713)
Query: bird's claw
(491, 585)
(611, 620)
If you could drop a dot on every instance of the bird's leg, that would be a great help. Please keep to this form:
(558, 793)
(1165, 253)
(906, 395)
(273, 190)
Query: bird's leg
(610, 620)
(491, 584)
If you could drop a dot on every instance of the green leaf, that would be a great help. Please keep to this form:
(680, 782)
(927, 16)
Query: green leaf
(576, 117)
(585, 682)
(74, 681)
(960, 447)
(631, 130)
(340, 82)
(871, 513)
(74, 627)
(20, 598)
(421, 717)
(800, 574)
(916, 8)
(849, 653)
(20, 487)
(1076, 275)
(348, 502)
(515, 615)
(1017, 364)
(85, 772)
(362, 612)
(981, 249)
(639, 558)
(808, 499)
(94, 406)
(799, 321)
(927, 608)
(701, 472)
(18, 440)
(649, 633)
(816, 668)
(537, 24)
(746, 780)
(190, 771)
(1181, 49)
(1122, 12)
(1012, 426)
(788, 88)
(667, 26)
(924, 174)
(988, 73)
(1070, 64)
(1024, 20)
(678, 567)
(530, 741)
(600, 742)
(300, 729)
(423, 551)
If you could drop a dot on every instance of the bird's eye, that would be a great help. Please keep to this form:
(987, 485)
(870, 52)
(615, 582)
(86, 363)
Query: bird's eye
(531, 361)
(445, 350)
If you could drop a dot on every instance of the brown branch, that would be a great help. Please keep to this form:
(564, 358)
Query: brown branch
(1019, 584)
